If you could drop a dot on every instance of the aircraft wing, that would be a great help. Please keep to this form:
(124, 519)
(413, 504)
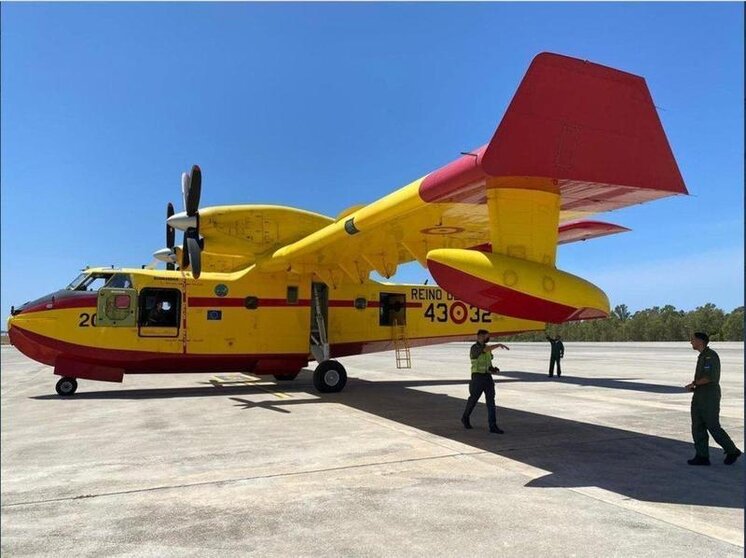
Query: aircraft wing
(586, 132)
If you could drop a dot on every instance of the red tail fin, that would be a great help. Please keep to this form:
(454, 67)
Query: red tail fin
(593, 131)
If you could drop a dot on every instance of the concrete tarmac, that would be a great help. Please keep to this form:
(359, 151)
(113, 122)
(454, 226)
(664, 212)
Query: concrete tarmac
(592, 464)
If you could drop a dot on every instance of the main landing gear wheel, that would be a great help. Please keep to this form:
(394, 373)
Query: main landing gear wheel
(329, 377)
(285, 377)
(66, 386)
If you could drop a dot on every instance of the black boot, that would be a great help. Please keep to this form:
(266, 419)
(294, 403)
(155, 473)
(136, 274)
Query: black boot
(496, 430)
(697, 460)
(730, 458)
(466, 423)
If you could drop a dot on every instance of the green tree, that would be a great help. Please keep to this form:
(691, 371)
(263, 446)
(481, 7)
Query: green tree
(622, 312)
(651, 324)
(733, 325)
(708, 318)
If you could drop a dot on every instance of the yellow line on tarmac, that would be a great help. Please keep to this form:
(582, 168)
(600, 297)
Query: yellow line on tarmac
(278, 394)
(248, 381)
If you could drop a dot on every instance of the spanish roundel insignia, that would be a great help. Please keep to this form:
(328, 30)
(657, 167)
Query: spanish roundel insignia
(221, 289)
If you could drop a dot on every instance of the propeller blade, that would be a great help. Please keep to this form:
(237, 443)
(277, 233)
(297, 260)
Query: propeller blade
(193, 191)
(184, 187)
(188, 221)
(184, 252)
(195, 253)
(178, 256)
(170, 232)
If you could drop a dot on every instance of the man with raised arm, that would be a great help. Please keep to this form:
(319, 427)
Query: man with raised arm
(481, 380)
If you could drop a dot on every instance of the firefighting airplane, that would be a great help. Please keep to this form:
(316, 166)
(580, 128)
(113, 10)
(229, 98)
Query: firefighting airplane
(264, 289)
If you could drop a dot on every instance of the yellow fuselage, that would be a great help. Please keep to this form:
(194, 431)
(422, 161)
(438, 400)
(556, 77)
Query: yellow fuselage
(244, 321)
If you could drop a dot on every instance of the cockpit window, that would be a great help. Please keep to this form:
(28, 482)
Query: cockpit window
(75, 283)
(89, 281)
(120, 281)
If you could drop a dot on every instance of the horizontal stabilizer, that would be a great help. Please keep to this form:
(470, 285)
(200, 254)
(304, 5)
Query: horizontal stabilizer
(574, 232)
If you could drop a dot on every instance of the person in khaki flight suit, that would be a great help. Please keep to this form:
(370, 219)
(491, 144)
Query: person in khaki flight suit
(706, 405)
(481, 380)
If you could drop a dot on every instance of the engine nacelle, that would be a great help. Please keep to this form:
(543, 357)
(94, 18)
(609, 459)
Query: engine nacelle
(516, 287)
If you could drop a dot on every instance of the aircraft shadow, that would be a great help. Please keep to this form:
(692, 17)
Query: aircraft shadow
(610, 383)
(640, 466)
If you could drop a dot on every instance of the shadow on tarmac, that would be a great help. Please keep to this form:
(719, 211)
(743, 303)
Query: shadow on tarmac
(637, 466)
(610, 383)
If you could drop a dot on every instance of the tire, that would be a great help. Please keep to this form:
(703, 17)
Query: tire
(66, 386)
(329, 377)
(285, 377)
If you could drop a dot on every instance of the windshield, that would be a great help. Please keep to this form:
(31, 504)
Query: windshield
(75, 283)
(89, 281)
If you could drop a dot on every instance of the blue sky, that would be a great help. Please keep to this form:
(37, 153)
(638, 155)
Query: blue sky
(324, 106)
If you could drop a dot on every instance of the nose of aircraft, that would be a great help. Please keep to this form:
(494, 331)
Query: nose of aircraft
(45, 302)
(32, 328)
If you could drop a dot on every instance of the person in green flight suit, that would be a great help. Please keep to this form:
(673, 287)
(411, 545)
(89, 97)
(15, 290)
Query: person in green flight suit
(558, 353)
(481, 380)
(706, 405)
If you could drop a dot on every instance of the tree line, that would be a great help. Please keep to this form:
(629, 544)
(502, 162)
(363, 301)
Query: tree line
(651, 324)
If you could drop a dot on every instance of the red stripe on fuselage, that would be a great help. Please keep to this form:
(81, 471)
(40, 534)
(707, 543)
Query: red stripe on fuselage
(215, 302)
(62, 304)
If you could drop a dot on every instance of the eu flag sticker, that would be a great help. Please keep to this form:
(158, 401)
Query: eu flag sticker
(214, 314)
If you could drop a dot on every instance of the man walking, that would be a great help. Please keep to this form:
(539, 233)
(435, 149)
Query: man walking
(706, 405)
(558, 352)
(481, 380)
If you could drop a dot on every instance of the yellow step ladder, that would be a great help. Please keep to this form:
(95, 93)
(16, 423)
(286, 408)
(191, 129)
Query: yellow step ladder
(401, 346)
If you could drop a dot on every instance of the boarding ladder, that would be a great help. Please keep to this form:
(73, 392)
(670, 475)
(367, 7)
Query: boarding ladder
(401, 346)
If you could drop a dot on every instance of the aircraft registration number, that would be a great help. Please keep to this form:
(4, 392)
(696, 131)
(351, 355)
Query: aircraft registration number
(457, 312)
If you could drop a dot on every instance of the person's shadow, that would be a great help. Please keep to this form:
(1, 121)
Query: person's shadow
(575, 454)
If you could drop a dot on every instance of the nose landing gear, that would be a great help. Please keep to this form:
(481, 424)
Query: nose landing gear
(66, 386)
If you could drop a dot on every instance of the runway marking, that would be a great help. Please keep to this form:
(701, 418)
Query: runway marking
(246, 380)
